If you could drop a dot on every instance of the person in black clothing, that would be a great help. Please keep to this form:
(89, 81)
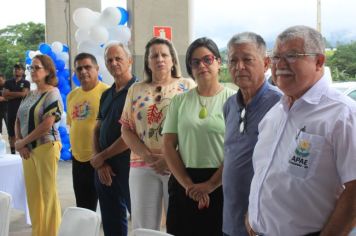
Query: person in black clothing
(3, 106)
(15, 90)
(112, 158)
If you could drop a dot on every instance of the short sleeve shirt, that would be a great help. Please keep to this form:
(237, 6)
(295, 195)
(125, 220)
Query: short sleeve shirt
(200, 141)
(82, 111)
(110, 110)
(238, 149)
(303, 156)
(34, 109)
(145, 112)
(13, 86)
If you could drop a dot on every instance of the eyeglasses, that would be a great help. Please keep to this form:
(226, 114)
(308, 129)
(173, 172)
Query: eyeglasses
(35, 68)
(290, 57)
(243, 121)
(80, 68)
(207, 61)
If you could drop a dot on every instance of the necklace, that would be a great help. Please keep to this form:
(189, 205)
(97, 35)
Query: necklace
(203, 113)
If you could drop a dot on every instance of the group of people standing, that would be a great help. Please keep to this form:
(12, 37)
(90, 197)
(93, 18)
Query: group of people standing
(262, 161)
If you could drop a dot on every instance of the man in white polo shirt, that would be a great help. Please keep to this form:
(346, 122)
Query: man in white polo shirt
(305, 157)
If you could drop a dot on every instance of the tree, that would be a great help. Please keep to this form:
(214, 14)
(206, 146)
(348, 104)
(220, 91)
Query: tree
(343, 62)
(15, 40)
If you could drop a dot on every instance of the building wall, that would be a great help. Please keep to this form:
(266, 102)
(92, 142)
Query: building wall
(145, 14)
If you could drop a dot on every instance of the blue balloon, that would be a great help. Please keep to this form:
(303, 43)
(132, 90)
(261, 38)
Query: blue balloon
(44, 48)
(65, 48)
(64, 101)
(60, 64)
(53, 56)
(124, 16)
(100, 77)
(65, 89)
(61, 81)
(66, 155)
(27, 53)
(62, 130)
(28, 61)
(75, 79)
(65, 73)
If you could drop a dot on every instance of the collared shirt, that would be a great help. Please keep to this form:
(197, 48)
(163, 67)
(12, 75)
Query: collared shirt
(238, 149)
(302, 158)
(111, 106)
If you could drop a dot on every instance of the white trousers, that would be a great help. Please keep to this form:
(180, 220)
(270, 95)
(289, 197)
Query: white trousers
(147, 191)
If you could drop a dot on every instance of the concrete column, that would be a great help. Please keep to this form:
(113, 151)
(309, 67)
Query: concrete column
(59, 21)
(145, 14)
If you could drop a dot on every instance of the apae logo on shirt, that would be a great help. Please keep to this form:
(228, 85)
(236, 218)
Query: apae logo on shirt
(302, 152)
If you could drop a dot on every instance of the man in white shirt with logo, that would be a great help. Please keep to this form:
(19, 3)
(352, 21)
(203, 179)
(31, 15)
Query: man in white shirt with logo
(305, 157)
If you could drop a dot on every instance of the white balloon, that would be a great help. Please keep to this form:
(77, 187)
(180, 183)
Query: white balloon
(90, 47)
(31, 54)
(57, 47)
(99, 34)
(81, 35)
(63, 121)
(64, 56)
(110, 17)
(101, 62)
(106, 76)
(84, 18)
(120, 33)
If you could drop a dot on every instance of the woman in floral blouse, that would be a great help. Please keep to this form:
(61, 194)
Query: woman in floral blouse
(142, 122)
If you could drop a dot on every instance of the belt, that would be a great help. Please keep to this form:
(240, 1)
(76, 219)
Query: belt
(313, 234)
(310, 234)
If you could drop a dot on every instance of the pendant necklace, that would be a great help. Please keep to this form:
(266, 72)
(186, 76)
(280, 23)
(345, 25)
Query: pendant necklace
(203, 113)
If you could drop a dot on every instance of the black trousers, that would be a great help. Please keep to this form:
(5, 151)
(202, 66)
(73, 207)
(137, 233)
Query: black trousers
(183, 216)
(114, 200)
(83, 184)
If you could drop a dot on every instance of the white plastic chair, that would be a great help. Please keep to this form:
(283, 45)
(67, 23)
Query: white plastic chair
(149, 232)
(79, 222)
(5, 207)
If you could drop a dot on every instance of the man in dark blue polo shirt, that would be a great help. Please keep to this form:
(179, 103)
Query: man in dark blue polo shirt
(112, 158)
(15, 90)
(247, 63)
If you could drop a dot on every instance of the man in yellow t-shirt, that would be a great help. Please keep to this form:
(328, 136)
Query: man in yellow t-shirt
(82, 110)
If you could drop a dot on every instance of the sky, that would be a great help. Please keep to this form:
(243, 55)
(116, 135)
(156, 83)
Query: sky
(220, 19)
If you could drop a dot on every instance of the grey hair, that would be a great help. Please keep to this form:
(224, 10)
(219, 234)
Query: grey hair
(117, 44)
(313, 40)
(248, 37)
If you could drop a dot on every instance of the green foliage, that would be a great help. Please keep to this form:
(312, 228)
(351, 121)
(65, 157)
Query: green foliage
(15, 40)
(343, 62)
(224, 74)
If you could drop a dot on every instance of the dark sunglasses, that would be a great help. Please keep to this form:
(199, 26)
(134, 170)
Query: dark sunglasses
(207, 61)
(86, 67)
(243, 121)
